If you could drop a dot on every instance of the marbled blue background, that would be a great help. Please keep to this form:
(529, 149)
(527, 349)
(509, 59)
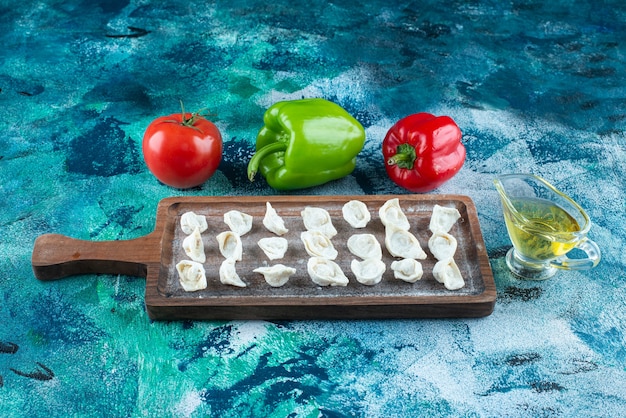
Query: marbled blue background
(536, 87)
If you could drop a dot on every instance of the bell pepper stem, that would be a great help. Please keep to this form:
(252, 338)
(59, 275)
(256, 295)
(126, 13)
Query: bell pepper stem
(253, 165)
(404, 157)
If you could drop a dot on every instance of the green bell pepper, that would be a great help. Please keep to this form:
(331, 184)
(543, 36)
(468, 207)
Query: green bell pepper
(305, 143)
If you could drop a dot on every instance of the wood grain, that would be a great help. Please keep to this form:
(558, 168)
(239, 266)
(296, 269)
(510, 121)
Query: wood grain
(56, 256)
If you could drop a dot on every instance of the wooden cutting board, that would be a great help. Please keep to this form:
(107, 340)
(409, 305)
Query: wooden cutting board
(155, 255)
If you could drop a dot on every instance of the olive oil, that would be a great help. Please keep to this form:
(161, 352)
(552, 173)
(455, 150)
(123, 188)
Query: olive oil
(535, 236)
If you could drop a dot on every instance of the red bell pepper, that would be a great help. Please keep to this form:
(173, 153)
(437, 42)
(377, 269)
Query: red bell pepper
(423, 151)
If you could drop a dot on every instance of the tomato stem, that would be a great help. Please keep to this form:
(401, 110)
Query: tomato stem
(191, 120)
(188, 121)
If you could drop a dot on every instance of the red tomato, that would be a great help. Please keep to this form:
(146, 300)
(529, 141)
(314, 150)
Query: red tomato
(182, 152)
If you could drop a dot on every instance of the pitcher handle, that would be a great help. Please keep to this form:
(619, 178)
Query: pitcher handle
(593, 257)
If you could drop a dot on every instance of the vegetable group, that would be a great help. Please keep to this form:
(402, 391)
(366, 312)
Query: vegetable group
(305, 143)
(422, 151)
(182, 150)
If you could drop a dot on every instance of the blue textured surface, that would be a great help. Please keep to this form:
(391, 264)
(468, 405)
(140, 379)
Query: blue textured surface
(535, 86)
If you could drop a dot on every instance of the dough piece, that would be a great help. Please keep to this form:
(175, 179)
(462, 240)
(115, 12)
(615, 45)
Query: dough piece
(230, 245)
(403, 244)
(448, 273)
(276, 275)
(228, 274)
(326, 272)
(391, 215)
(442, 245)
(317, 244)
(407, 269)
(368, 272)
(274, 247)
(189, 221)
(318, 219)
(194, 247)
(273, 222)
(191, 275)
(356, 214)
(443, 218)
(238, 222)
(365, 246)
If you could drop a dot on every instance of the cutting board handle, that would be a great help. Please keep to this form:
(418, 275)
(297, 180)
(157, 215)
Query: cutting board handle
(56, 256)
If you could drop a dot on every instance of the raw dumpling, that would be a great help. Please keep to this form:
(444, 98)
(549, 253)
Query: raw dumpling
(276, 275)
(442, 245)
(368, 272)
(448, 273)
(230, 245)
(228, 274)
(190, 221)
(194, 247)
(365, 246)
(191, 275)
(274, 247)
(318, 219)
(443, 218)
(317, 244)
(403, 244)
(238, 222)
(356, 214)
(273, 222)
(391, 215)
(325, 272)
(407, 269)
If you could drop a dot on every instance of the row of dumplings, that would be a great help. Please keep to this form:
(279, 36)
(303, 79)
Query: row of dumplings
(317, 239)
(402, 244)
(192, 274)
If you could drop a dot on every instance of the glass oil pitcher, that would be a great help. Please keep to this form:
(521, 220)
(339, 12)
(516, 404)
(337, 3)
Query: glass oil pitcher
(544, 225)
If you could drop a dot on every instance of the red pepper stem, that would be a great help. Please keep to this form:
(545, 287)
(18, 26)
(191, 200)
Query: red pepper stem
(253, 165)
(398, 158)
(404, 157)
